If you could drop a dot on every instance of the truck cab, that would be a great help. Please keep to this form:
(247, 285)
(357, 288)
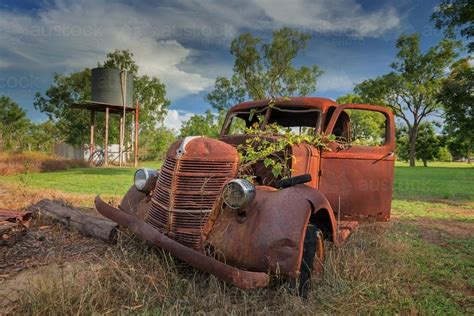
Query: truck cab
(355, 172)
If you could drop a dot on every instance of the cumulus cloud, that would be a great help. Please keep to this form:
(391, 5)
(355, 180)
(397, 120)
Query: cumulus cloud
(337, 81)
(175, 118)
(337, 16)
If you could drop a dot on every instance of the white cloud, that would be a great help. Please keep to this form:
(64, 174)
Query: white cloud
(174, 119)
(342, 16)
(337, 81)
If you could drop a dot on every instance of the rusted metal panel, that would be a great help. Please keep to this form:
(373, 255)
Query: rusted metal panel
(313, 102)
(188, 187)
(305, 160)
(358, 180)
(240, 278)
(136, 202)
(270, 235)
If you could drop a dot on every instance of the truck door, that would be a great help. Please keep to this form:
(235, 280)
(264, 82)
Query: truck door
(357, 171)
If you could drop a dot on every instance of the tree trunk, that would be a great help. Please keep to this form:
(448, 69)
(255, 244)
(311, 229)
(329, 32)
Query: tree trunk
(425, 163)
(87, 225)
(412, 140)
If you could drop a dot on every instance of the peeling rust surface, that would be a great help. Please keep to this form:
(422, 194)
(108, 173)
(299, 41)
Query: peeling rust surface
(191, 179)
(269, 237)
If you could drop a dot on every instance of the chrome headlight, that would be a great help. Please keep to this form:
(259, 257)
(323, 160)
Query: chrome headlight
(145, 179)
(238, 193)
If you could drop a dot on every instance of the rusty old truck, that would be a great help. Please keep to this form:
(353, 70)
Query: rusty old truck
(244, 231)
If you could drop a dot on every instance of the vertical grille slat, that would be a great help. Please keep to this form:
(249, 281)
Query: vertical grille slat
(185, 194)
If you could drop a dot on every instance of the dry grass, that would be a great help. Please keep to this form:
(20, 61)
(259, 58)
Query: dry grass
(15, 163)
(133, 277)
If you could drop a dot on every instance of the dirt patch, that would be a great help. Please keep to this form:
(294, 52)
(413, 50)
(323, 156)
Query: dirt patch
(12, 288)
(43, 245)
(437, 231)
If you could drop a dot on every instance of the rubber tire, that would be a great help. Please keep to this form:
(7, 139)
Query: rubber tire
(312, 259)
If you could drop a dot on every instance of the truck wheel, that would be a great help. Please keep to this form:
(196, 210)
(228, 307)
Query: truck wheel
(313, 258)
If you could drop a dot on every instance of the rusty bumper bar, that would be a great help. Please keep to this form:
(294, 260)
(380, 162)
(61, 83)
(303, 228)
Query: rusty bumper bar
(240, 278)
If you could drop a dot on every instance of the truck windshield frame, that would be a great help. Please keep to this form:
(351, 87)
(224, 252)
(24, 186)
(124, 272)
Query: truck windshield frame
(296, 118)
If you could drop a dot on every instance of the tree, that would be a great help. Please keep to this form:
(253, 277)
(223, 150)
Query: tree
(263, 70)
(156, 143)
(457, 96)
(411, 89)
(75, 88)
(42, 136)
(56, 104)
(428, 143)
(456, 14)
(13, 124)
(201, 125)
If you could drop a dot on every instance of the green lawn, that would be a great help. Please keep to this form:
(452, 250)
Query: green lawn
(109, 181)
(439, 181)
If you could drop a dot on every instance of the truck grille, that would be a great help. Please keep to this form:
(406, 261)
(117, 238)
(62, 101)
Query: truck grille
(185, 194)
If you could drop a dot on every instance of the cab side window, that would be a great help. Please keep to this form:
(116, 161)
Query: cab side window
(366, 128)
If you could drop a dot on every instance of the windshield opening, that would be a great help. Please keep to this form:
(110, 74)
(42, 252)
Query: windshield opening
(301, 121)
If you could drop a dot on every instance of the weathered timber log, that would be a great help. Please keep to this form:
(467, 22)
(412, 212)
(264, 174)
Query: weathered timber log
(87, 225)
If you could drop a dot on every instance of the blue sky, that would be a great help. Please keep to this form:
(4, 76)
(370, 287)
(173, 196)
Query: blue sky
(186, 43)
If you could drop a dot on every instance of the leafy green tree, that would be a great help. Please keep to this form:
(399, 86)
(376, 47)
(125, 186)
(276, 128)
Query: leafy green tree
(264, 70)
(201, 125)
(444, 154)
(120, 59)
(71, 123)
(13, 124)
(75, 88)
(453, 15)
(427, 142)
(458, 99)
(156, 143)
(411, 89)
(402, 149)
(41, 136)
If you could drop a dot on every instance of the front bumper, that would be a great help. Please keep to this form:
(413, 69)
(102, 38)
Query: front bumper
(240, 278)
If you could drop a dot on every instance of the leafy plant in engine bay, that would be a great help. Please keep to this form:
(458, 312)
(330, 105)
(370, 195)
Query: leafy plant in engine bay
(272, 144)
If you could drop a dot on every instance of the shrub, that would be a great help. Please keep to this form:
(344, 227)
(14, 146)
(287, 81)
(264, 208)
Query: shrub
(14, 163)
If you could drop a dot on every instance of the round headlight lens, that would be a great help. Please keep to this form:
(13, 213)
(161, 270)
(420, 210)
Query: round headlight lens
(238, 193)
(145, 179)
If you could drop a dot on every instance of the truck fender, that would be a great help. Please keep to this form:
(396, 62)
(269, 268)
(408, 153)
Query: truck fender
(136, 202)
(268, 234)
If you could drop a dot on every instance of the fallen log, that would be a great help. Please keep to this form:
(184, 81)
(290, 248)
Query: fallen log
(87, 225)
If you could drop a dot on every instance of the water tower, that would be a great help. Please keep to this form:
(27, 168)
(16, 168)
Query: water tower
(112, 93)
